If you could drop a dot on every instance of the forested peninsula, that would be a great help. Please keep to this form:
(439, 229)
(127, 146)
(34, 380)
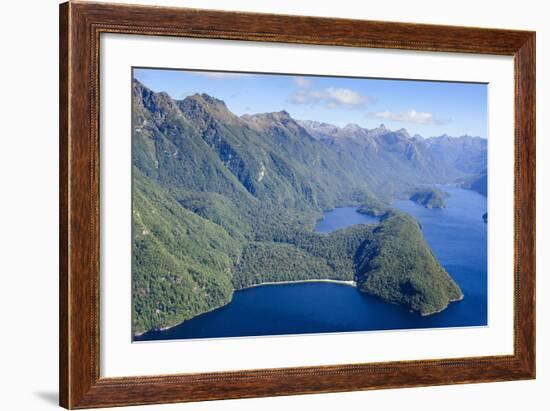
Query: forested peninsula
(429, 197)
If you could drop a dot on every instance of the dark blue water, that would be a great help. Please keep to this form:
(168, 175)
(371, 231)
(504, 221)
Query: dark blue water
(342, 217)
(458, 237)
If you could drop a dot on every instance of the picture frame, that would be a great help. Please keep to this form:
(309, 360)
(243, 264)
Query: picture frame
(81, 384)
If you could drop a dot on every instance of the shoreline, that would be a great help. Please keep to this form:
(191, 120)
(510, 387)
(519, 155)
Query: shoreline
(444, 308)
(181, 322)
(350, 283)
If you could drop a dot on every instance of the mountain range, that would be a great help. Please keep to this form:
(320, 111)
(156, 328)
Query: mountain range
(222, 202)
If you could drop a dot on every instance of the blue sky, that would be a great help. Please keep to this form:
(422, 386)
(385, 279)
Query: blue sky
(424, 107)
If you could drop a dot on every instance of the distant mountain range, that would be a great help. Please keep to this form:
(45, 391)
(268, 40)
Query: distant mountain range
(434, 158)
(464, 154)
(222, 202)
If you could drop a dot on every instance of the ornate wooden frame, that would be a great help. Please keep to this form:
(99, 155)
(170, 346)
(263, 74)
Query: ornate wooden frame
(80, 27)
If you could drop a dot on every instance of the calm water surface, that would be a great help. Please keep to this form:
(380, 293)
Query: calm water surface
(342, 217)
(458, 237)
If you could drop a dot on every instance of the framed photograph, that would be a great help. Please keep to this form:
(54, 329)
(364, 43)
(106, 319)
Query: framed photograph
(258, 205)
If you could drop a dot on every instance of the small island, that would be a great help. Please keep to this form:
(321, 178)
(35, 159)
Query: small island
(429, 197)
(373, 207)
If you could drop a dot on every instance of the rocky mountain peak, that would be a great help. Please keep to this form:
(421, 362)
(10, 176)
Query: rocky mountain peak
(404, 132)
(352, 127)
(161, 104)
(198, 104)
(273, 119)
(208, 100)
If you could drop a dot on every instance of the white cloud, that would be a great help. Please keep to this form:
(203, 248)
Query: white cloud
(410, 116)
(344, 96)
(302, 82)
(332, 97)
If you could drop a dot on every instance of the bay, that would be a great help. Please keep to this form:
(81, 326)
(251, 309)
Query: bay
(342, 217)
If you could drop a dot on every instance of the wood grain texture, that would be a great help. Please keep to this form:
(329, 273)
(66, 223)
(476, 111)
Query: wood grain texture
(80, 27)
(63, 204)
